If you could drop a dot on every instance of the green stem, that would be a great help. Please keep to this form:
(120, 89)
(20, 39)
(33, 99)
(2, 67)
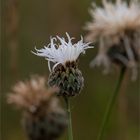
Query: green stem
(111, 104)
(70, 134)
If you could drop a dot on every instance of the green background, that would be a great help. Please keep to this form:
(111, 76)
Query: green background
(38, 20)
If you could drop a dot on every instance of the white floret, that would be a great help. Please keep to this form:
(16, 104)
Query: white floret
(65, 51)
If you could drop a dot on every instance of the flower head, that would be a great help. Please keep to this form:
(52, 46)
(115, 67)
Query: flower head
(65, 73)
(117, 29)
(31, 94)
(64, 51)
(43, 117)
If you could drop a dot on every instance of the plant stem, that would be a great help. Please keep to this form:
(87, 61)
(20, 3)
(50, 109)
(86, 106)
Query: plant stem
(111, 104)
(70, 134)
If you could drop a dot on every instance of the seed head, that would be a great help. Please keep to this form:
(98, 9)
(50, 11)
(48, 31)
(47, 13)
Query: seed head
(43, 117)
(116, 27)
(31, 94)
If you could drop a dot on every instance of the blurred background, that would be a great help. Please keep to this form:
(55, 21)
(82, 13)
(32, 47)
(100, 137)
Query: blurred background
(29, 23)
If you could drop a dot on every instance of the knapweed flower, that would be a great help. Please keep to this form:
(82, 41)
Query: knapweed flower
(116, 27)
(43, 117)
(65, 73)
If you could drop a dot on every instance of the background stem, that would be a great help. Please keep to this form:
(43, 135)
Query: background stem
(70, 134)
(110, 104)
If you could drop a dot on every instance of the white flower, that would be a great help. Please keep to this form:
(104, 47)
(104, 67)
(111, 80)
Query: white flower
(63, 52)
(113, 19)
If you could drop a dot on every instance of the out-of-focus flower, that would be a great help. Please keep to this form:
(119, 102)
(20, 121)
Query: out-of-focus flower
(43, 117)
(117, 29)
(65, 73)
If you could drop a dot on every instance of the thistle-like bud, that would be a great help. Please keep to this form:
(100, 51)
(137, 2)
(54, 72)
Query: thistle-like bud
(68, 78)
(65, 73)
(43, 117)
(48, 126)
(116, 27)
